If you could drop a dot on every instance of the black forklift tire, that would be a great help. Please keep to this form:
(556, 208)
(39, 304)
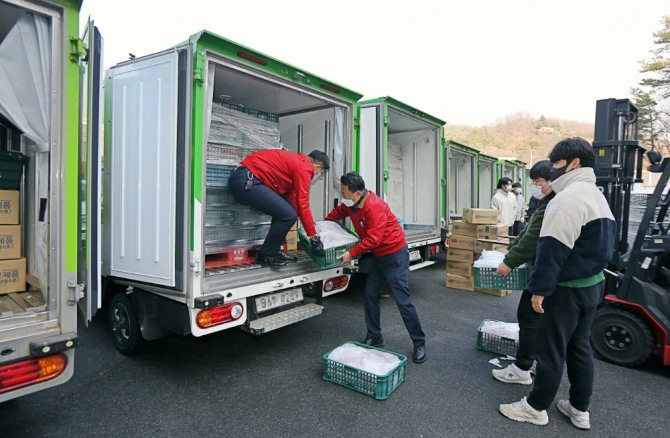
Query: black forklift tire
(124, 325)
(621, 337)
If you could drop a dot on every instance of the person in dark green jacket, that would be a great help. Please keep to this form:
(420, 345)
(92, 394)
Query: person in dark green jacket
(522, 250)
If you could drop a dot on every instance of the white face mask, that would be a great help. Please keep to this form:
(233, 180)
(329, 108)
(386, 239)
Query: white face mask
(348, 202)
(536, 192)
(316, 178)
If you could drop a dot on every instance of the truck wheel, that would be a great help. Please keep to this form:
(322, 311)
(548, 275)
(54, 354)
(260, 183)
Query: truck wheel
(124, 325)
(621, 336)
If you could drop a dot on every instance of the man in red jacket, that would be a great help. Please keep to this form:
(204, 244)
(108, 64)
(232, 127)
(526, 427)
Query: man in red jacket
(276, 182)
(380, 234)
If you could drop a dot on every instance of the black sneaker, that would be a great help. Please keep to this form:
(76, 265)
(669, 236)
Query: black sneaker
(374, 342)
(281, 255)
(269, 260)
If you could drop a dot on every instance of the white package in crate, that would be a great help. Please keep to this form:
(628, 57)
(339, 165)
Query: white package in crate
(332, 235)
(508, 330)
(370, 360)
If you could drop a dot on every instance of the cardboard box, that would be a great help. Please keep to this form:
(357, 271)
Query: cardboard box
(459, 268)
(462, 283)
(9, 207)
(463, 229)
(10, 242)
(495, 292)
(462, 242)
(480, 216)
(292, 240)
(460, 255)
(491, 245)
(492, 231)
(12, 275)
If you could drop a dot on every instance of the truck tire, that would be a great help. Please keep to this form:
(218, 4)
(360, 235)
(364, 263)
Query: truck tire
(621, 337)
(124, 325)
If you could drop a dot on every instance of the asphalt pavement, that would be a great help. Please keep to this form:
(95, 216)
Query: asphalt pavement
(234, 384)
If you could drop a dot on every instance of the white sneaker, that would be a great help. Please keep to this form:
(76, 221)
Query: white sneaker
(513, 374)
(525, 413)
(580, 420)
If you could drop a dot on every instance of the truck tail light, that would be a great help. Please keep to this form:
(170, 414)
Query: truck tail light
(219, 315)
(31, 371)
(434, 249)
(335, 283)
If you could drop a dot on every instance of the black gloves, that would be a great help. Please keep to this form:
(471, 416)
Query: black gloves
(317, 246)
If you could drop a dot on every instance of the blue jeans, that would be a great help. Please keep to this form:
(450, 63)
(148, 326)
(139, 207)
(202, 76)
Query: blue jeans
(267, 202)
(391, 269)
(563, 337)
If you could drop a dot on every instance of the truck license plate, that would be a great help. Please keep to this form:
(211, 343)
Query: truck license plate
(268, 302)
(414, 255)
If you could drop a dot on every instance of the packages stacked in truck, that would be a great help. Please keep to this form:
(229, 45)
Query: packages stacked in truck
(230, 227)
(12, 265)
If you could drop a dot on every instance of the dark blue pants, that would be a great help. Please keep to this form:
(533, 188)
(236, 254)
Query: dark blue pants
(392, 269)
(528, 326)
(267, 202)
(564, 338)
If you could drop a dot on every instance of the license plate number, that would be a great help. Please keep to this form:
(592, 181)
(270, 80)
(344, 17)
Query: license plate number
(269, 302)
(414, 255)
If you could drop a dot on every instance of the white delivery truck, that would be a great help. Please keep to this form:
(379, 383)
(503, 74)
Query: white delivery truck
(40, 76)
(144, 226)
(400, 158)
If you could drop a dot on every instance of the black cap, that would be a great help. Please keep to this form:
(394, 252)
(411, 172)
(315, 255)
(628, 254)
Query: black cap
(321, 158)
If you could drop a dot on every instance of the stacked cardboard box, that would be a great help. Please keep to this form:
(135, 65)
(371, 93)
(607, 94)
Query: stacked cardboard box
(292, 238)
(12, 265)
(463, 245)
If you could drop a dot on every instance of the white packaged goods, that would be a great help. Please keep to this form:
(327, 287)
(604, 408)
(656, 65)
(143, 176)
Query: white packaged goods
(508, 330)
(489, 259)
(333, 235)
(369, 360)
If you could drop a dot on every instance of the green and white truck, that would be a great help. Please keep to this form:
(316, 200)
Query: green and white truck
(141, 223)
(400, 158)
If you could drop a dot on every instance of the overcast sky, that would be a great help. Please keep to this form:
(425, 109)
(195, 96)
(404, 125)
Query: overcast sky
(466, 62)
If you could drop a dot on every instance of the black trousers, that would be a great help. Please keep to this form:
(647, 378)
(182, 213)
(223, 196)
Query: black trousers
(266, 201)
(564, 335)
(528, 325)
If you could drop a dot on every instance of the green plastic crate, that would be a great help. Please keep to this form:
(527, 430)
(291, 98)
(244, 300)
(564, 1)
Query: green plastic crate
(11, 169)
(379, 387)
(487, 278)
(495, 343)
(330, 259)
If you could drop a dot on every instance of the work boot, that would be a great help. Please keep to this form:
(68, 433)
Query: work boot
(374, 342)
(269, 260)
(281, 255)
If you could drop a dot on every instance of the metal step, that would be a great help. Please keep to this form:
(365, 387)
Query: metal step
(416, 266)
(282, 319)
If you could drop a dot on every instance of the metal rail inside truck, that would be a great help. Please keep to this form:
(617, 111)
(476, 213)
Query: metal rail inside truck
(155, 237)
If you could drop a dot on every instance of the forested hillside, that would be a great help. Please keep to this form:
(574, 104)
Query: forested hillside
(518, 136)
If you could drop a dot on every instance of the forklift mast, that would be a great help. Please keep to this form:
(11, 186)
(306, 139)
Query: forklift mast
(618, 163)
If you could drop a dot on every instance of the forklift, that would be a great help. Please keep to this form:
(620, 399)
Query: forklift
(633, 321)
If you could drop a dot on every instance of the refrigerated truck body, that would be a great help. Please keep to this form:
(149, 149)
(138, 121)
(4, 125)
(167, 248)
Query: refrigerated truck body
(399, 156)
(177, 250)
(461, 165)
(40, 106)
(487, 179)
(158, 253)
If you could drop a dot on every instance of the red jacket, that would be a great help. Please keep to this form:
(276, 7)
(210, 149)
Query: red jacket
(288, 174)
(377, 227)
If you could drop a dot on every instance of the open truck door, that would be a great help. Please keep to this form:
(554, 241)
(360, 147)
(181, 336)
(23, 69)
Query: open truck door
(90, 168)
